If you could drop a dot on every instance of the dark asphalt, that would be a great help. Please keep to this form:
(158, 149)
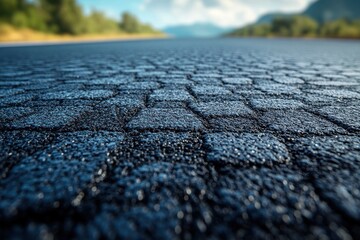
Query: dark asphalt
(181, 139)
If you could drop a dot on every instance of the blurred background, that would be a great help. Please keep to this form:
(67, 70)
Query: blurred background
(40, 20)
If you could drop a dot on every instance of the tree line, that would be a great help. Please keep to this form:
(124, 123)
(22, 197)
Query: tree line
(66, 17)
(301, 26)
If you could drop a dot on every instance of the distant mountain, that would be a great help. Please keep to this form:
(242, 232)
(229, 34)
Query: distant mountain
(322, 11)
(322, 18)
(267, 18)
(196, 30)
(327, 10)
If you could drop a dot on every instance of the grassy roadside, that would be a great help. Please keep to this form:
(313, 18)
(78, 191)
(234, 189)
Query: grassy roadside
(10, 34)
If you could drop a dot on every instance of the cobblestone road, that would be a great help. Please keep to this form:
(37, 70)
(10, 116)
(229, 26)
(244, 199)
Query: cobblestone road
(181, 139)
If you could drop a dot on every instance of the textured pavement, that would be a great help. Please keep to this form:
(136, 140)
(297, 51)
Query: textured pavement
(181, 139)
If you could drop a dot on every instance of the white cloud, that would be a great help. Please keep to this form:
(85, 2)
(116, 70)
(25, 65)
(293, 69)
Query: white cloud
(221, 12)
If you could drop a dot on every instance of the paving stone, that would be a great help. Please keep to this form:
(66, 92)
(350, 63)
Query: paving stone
(16, 99)
(168, 104)
(170, 95)
(310, 77)
(278, 89)
(101, 119)
(334, 164)
(163, 146)
(282, 212)
(40, 86)
(108, 72)
(328, 153)
(14, 73)
(175, 80)
(261, 78)
(234, 124)
(64, 102)
(13, 84)
(351, 74)
(160, 118)
(337, 93)
(288, 80)
(9, 92)
(52, 118)
(210, 90)
(347, 116)
(318, 100)
(72, 86)
(250, 93)
(254, 71)
(341, 189)
(151, 74)
(218, 98)
(237, 80)
(299, 122)
(235, 74)
(334, 76)
(11, 113)
(223, 108)
(118, 80)
(271, 103)
(206, 76)
(165, 213)
(79, 94)
(140, 86)
(15, 145)
(75, 160)
(245, 149)
(334, 83)
(125, 101)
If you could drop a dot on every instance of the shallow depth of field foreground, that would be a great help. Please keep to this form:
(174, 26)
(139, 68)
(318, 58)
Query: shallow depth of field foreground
(181, 139)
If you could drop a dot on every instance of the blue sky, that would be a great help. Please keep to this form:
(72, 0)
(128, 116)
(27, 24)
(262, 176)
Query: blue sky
(226, 13)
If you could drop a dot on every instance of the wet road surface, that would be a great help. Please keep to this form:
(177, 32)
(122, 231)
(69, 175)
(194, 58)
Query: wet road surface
(181, 139)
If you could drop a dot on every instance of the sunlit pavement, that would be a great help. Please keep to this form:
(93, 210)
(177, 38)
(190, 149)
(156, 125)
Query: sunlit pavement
(181, 139)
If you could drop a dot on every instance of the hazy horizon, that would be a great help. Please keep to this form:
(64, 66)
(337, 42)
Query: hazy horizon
(223, 13)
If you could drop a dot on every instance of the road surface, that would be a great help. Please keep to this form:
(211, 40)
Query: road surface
(181, 139)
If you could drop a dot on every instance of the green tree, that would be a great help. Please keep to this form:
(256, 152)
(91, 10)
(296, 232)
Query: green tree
(295, 26)
(63, 16)
(261, 30)
(7, 9)
(341, 28)
(22, 13)
(97, 22)
(129, 23)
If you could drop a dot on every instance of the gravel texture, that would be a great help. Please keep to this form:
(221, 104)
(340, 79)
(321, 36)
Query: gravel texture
(181, 139)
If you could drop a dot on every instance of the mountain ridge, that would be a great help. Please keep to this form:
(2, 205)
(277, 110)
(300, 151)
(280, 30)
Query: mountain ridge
(322, 18)
(328, 10)
(321, 11)
(201, 29)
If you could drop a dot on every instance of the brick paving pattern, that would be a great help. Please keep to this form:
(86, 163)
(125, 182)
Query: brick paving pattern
(181, 139)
